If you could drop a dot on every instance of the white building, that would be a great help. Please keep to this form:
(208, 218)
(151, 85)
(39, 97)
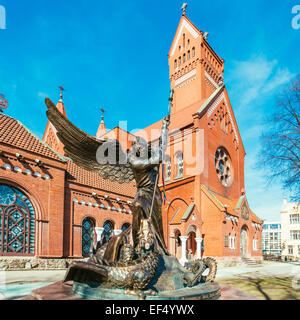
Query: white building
(290, 237)
(271, 237)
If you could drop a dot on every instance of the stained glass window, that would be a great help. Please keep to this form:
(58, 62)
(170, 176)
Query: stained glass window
(88, 227)
(108, 231)
(17, 222)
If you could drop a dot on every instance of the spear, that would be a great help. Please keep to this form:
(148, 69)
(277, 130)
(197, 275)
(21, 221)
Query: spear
(157, 176)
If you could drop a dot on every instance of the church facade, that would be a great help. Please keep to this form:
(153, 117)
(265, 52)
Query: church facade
(49, 206)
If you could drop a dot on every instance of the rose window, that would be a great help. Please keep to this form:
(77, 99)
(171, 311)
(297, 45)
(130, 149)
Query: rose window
(223, 167)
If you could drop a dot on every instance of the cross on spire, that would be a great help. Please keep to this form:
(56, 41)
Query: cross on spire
(61, 91)
(183, 8)
(102, 116)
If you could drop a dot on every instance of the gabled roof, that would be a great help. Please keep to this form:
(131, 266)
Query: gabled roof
(123, 136)
(182, 118)
(184, 23)
(13, 132)
(231, 206)
(211, 98)
(182, 214)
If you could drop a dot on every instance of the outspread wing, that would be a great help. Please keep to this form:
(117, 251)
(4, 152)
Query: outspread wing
(85, 150)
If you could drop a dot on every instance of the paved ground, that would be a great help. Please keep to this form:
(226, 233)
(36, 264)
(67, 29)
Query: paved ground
(17, 284)
(17, 277)
(268, 269)
(272, 281)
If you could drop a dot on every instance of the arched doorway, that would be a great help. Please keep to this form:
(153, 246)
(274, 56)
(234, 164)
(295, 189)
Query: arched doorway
(244, 243)
(17, 222)
(88, 227)
(191, 243)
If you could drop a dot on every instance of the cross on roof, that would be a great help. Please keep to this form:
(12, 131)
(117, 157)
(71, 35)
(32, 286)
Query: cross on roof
(102, 110)
(183, 8)
(61, 91)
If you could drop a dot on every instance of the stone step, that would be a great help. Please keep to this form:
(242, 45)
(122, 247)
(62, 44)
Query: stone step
(251, 263)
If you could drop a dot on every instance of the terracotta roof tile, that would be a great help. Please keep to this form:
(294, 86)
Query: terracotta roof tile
(93, 179)
(14, 133)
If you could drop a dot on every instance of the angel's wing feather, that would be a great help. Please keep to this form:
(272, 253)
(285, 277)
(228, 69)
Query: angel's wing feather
(82, 148)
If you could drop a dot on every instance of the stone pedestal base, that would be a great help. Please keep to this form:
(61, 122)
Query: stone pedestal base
(203, 291)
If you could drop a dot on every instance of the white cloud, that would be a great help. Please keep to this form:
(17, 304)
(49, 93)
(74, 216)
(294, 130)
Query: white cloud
(255, 78)
(42, 95)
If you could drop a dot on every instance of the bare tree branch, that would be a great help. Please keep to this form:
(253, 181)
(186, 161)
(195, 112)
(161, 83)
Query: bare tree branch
(280, 151)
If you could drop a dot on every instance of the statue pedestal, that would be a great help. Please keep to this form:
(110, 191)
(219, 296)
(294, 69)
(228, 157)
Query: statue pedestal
(167, 283)
(203, 291)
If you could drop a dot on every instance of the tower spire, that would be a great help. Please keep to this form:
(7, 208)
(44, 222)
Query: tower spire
(50, 136)
(102, 129)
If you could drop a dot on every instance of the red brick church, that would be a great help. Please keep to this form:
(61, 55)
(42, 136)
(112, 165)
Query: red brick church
(49, 206)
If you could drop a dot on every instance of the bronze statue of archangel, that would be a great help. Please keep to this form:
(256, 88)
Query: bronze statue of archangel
(106, 157)
(115, 262)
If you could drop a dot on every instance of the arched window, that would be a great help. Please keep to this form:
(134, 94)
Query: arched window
(184, 40)
(179, 164)
(108, 231)
(175, 63)
(125, 226)
(194, 51)
(184, 57)
(189, 55)
(17, 222)
(168, 168)
(179, 60)
(88, 227)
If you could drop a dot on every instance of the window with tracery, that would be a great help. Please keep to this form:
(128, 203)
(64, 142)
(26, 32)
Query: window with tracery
(108, 231)
(17, 222)
(88, 227)
(223, 167)
(179, 164)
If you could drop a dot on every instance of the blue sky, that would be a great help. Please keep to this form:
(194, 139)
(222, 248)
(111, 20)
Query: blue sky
(113, 54)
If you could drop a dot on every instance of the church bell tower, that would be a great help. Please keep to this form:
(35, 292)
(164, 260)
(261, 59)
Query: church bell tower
(196, 71)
